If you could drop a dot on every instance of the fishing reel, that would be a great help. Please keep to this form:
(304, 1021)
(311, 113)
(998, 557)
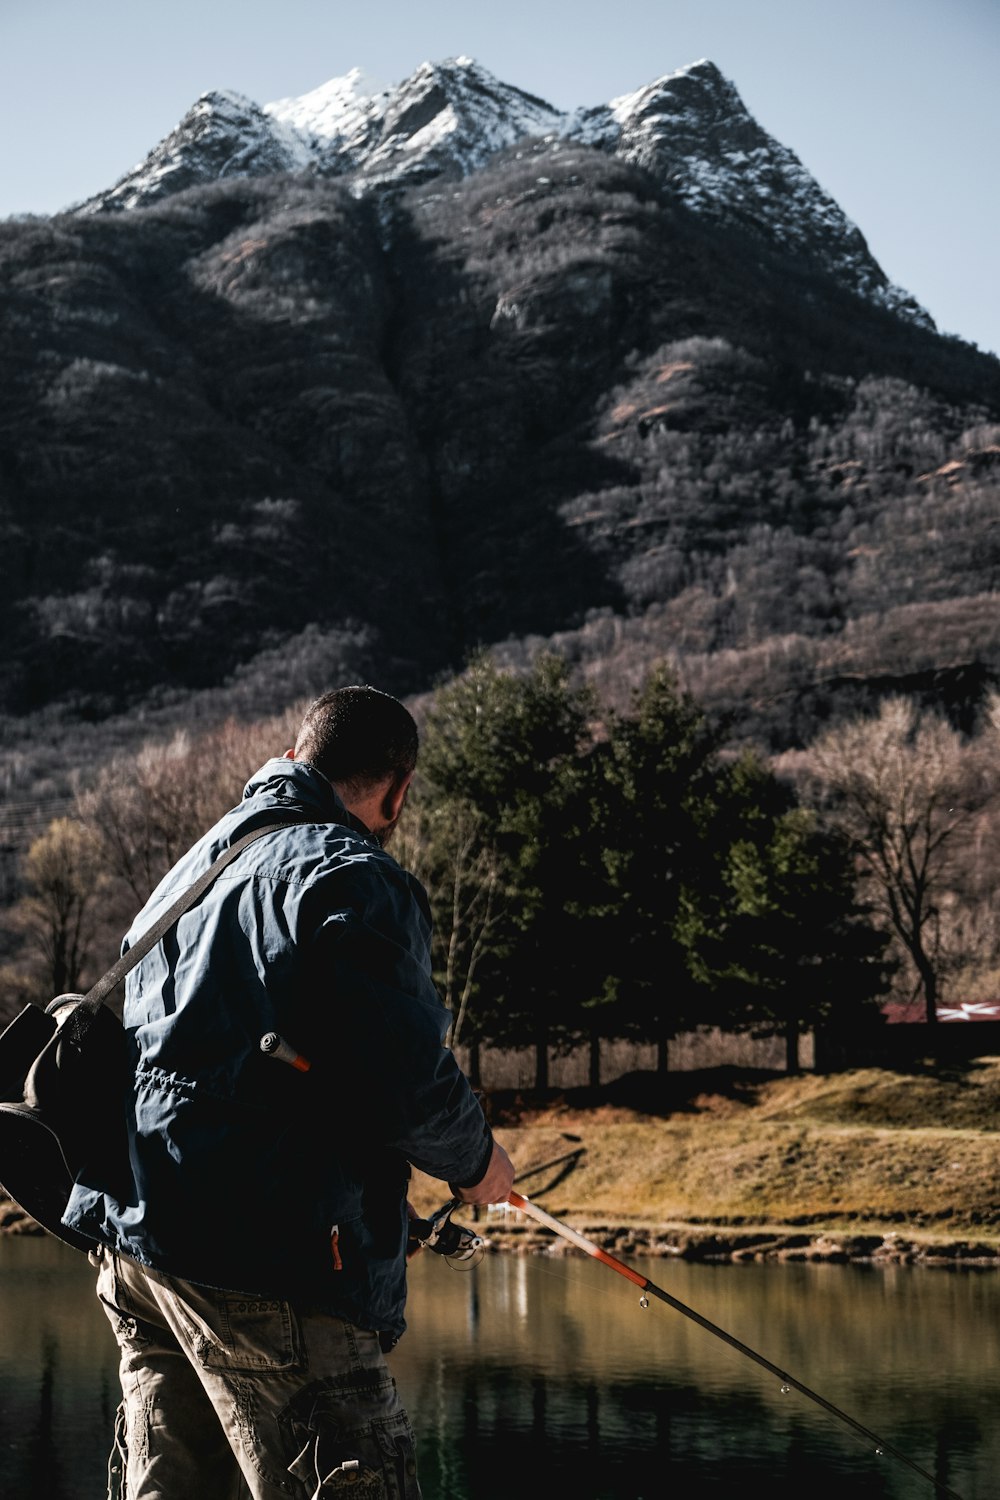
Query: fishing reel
(459, 1246)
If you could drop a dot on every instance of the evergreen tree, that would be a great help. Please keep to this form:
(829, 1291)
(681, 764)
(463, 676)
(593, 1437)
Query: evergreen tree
(774, 935)
(502, 756)
(648, 784)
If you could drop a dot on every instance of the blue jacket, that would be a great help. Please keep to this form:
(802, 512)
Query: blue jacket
(247, 1174)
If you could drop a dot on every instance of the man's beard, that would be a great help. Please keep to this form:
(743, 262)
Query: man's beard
(385, 831)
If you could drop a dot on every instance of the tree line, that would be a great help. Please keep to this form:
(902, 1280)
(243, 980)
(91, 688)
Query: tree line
(607, 874)
(597, 873)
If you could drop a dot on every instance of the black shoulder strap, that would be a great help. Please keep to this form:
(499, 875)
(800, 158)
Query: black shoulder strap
(97, 994)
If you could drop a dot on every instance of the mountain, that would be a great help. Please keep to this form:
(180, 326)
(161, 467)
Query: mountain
(690, 129)
(358, 382)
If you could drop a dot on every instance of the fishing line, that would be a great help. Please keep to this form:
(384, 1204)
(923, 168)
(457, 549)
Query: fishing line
(648, 1288)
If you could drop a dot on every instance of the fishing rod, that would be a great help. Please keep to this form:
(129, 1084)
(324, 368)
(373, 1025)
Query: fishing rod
(458, 1244)
(649, 1288)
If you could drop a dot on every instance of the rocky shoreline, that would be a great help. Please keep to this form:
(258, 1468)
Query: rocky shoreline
(712, 1244)
(709, 1244)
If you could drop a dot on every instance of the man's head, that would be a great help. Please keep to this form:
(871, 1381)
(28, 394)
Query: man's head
(365, 743)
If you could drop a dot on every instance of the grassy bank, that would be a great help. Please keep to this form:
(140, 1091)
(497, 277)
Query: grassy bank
(866, 1164)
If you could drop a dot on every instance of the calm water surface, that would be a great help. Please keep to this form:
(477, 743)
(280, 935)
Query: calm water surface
(530, 1370)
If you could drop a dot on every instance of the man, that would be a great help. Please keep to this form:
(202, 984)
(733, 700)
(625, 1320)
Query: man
(255, 1272)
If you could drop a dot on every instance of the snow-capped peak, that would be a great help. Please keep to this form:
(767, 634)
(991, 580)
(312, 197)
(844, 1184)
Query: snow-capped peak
(331, 111)
(626, 106)
(689, 129)
(450, 115)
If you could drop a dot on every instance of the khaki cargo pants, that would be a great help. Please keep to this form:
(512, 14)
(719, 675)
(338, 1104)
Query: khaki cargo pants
(228, 1397)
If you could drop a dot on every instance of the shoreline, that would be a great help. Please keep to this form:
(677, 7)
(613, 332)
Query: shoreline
(714, 1244)
(709, 1244)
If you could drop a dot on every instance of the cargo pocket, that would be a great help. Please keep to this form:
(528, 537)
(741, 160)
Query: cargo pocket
(378, 1463)
(349, 1474)
(399, 1457)
(242, 1335)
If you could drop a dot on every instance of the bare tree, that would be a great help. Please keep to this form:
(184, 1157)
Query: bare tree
(58, 916)
(472, 876)
(444, 845)
(148, 808)
(905, 787)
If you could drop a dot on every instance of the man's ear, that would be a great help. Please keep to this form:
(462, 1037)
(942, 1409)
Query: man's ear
(395, 798)
(288, 755)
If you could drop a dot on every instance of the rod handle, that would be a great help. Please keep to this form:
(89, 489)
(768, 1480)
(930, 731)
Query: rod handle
(273, 1045)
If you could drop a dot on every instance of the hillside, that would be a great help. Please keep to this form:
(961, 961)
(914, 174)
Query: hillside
(867, 1165)
(632, 387)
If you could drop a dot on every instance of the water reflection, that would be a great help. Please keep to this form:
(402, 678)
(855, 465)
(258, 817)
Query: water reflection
(530, 1368)
(555, 1369)
(58, 1374)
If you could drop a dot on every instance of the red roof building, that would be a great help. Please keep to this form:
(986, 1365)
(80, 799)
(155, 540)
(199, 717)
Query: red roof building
(967, 1010)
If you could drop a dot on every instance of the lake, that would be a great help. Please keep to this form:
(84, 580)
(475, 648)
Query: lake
(537, 1370)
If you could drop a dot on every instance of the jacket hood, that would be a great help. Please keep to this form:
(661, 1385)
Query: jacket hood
(296, 783)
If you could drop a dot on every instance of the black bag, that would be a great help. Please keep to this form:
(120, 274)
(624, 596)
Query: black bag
(65, 1081)
(62, 1106)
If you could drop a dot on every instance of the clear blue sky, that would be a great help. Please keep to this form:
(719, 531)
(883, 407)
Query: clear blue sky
(891, 104)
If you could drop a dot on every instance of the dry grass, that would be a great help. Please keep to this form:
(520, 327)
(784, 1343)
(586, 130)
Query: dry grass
(868, 1151)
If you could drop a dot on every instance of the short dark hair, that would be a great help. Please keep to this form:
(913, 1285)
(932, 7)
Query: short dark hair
(358, 735)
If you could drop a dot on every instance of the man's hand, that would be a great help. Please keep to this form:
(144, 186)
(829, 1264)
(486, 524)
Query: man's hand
(495, 1185)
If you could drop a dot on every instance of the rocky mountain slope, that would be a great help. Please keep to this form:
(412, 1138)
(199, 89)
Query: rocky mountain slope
(355, 383)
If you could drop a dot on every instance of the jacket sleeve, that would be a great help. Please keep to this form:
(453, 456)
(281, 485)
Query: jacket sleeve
(378, 1025)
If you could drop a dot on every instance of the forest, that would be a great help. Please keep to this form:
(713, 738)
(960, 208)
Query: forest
(598, 874)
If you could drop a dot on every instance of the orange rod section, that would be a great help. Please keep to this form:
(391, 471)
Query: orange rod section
(517, 1200)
